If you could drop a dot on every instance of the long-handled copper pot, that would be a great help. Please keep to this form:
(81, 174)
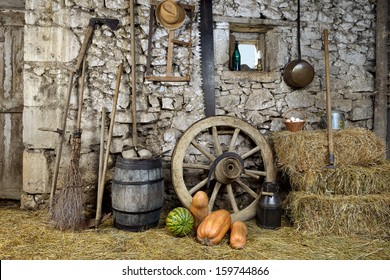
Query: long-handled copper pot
(298, 73)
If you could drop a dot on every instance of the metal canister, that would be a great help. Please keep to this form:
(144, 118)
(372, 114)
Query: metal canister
(338, 119)
(269, 210)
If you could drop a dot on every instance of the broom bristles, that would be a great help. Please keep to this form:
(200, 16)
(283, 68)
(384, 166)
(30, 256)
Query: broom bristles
(67, 212)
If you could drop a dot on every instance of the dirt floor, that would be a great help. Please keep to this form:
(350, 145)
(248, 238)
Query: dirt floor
(26, 235)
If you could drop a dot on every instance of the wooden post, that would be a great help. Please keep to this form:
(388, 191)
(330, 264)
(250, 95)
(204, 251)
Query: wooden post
(381, 78)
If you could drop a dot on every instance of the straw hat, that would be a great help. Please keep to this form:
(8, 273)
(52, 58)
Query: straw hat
(170, 14)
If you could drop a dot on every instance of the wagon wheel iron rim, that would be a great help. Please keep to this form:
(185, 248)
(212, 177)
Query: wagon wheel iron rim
(216, 141)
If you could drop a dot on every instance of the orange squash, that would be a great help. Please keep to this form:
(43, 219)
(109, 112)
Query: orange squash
(213, 228)
(238, 234)
(199, 207)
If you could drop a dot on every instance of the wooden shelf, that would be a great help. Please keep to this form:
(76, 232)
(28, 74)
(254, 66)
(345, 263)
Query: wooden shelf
(181, 43)
(168, 78)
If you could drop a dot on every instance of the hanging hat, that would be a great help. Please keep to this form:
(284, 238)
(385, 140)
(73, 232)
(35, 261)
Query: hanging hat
(170, 14)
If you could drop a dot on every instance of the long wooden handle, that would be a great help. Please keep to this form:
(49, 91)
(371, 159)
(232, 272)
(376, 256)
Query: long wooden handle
(81, 95)
(133, 77)
(328, 100)
(83, 49)
(101, 152)
(107, 155)
(61, 141)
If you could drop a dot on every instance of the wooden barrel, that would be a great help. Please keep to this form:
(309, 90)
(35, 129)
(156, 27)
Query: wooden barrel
(137, 193)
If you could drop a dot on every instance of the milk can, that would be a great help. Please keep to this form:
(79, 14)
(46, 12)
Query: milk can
(269, 209)
(338, 119)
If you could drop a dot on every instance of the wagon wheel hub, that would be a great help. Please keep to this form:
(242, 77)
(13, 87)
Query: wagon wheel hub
(228, 167)
(228, 170)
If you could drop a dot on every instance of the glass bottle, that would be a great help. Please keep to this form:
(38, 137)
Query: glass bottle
(236, 58)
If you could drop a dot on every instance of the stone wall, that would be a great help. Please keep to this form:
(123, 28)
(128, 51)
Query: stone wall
(54, 33)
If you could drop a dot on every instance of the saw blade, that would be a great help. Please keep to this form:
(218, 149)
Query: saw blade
(207, 55)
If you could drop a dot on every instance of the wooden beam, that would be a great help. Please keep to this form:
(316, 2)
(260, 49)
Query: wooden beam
(382, 69)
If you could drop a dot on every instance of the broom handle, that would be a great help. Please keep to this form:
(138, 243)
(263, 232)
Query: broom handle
(81, 95)
(103, 175)
(328, 100)
(61, 142)
(133, 77)
(101, 153)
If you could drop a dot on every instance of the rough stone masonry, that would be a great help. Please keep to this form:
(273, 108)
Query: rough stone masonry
(54, 32)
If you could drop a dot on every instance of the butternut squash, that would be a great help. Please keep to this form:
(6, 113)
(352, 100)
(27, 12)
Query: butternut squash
(213, 228)
(238, 234)
(199, 207)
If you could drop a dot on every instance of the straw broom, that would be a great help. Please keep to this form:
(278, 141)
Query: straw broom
(67, 212)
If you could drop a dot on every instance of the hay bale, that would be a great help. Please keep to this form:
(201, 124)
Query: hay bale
(343, 180)
(339, 215)
(308, 150)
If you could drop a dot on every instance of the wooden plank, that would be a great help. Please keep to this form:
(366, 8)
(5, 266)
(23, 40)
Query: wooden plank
(11, 69)
(168, 78)
(11, 160)
(11, 104)
(181, 43)
(185, 6)
(12, 18)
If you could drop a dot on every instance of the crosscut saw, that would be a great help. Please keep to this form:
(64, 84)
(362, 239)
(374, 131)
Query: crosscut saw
(207, 55)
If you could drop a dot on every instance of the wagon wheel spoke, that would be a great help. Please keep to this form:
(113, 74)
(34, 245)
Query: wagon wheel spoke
(200, 185)
(234, 139)
(247, 188)
(251, 152)
(202, 150)
(217, 144)
(196, 166)
(214, 195)
(231, 198)
(255, 174)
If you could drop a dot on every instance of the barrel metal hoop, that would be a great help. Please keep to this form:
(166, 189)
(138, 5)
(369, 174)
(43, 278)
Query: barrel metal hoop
(137, 183)
(138, 212)
(128, 164)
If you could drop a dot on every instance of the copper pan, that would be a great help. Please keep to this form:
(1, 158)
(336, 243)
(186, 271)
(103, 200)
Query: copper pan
(298, 73)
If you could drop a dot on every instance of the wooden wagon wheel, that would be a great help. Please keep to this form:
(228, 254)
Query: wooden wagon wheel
(238, 156)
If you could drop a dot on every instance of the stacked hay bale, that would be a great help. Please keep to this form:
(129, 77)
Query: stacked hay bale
(352, 198)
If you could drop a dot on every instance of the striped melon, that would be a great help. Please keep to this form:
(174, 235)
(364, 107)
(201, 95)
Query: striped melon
(179, 222)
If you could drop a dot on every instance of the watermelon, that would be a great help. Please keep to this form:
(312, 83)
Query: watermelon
(179, 222)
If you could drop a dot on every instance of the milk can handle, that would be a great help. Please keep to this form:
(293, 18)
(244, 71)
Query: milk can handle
(268, 193)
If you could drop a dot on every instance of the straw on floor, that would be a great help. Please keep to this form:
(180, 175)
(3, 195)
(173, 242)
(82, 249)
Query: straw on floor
(27, 235)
